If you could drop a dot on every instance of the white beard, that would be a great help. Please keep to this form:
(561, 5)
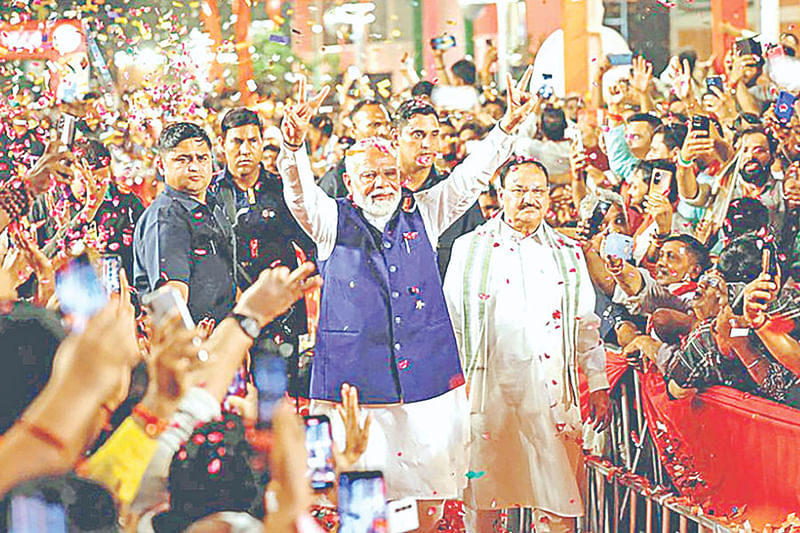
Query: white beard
(378, 208)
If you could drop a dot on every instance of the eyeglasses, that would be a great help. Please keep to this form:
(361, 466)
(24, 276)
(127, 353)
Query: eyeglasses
(519, 192)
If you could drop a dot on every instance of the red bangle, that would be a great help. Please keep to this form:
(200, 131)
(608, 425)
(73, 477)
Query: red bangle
(618, 118)
(153, 425)
(43, 435)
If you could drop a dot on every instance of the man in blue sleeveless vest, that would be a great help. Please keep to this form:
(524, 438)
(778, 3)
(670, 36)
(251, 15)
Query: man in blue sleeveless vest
(384, 325)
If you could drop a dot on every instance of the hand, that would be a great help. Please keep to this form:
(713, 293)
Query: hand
(723, 105)
(519, 102)
(246, 407)
(617, 93)
(738, 66)
(614, 265)
(643, 346)
(791, 185)
(723, 325)
(757, 296)
(297, 118)
(697, 145)
(603, 66)
(490, 58)
(173, 353)
(100, 359)
(50, 165)
(41, 264)
(287, 460)
(356, 435)
(599, 409)
(658, 206)
(642, 74)
(275, 290)
(205, 327)
(682, 82)
(577, 160)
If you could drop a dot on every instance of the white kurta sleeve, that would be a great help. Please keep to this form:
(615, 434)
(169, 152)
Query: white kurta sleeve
(591, 351)
(445, 202)
(454, 288)
(314, 210)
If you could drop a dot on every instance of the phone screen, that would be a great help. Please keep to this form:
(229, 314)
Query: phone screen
(362, 503)
(164, 302)
(784, 106)
(620, 59)
(66, 130)
(443, 42)
(319, 444)
(619, 246)
(269, 375)
(32, 513)
(79, 292)
(110, 265)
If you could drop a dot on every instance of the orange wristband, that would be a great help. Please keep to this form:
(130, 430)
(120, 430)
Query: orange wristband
(153, 425)
(43, 435)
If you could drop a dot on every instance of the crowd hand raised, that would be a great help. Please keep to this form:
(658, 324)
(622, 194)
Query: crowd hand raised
(642, 74)
(41, 264)
(100, 358)
(738, 65)
(757, 296)
(682, 82)
(297, 117)
(173, 355)
(617, 93)
(791, 185)
(287, 460)
(724, 105)
(246, 407)
(356, 435)
(519, 102)
(697, 145)
(275, 291)
(658, 206)
(50, 164)
(577, 159)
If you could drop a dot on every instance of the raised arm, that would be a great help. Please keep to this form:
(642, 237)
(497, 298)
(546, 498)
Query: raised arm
(444, 203)
(314, 210)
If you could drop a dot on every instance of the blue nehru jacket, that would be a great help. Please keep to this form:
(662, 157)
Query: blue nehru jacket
(384, 325)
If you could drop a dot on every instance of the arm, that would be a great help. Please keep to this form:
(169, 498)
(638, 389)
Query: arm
(445, 202)
(589, 345)
(441, 70)
(781, 345)
(620, 159)
(315, 211)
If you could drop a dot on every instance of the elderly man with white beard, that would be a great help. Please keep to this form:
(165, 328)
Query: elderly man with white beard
(384, 325)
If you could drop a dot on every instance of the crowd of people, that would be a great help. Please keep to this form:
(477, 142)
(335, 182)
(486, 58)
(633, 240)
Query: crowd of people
(437, 264)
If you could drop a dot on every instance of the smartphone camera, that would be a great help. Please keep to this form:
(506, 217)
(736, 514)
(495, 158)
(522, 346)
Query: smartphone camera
(714, 81)
(595, 221)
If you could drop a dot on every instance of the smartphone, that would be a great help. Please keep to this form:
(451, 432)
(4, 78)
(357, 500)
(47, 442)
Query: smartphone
(80, 292)
(701, 123)
(618, 245)
(34, 513)
(163, 303)
(616, 60)
(269, 377)
(598, 215)
(714, 81)
(319, 444)
(443, 42)
(110, 264)
(402, 515)
(546, 91)
(362, 503)
(238, 386)
(66, 131)
(747, 46)
(661, 178)
(784, 106)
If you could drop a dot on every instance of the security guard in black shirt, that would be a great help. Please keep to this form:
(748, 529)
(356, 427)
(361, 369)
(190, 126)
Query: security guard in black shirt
(183, 239)
(266, 234)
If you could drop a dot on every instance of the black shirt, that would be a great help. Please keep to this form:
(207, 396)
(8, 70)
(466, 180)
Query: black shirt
(115, 221)
(179, 239)
(265, 233)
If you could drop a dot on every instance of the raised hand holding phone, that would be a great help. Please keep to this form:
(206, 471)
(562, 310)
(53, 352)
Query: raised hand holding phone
(759, 293)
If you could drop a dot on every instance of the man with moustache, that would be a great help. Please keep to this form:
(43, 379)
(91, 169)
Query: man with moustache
(183, 239)
(522, 305)
(757, 153)
(252, 199)
(383, 320)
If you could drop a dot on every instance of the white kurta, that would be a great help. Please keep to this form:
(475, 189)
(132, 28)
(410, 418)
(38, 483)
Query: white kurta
(522, 450)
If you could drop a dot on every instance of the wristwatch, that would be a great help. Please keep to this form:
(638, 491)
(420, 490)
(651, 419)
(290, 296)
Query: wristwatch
(248, 324)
